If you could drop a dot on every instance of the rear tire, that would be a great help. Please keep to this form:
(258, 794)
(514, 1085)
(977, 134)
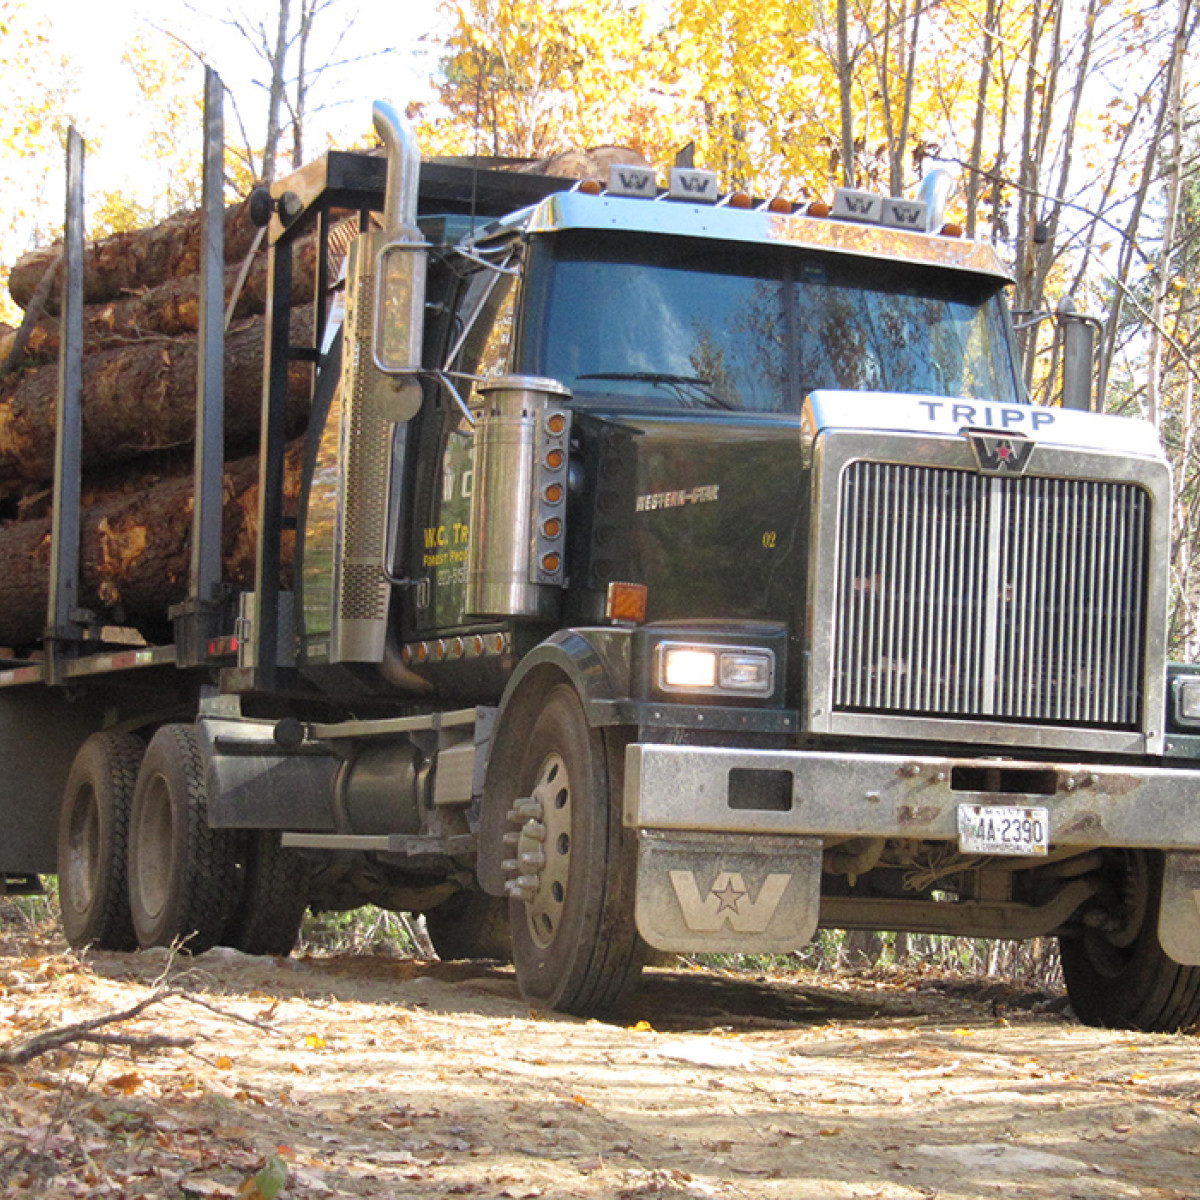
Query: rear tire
(575, 945)
(272, 898)
(1121, 978)
(471, 924)
(182, 874)
(93, 833)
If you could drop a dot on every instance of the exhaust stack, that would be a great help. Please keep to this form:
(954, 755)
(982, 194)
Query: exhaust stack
(404, 168)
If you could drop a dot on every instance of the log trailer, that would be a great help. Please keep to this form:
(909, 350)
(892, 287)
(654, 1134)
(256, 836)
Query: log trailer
(672, 570)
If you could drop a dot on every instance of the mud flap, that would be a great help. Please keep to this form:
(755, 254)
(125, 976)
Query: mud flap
(716, 893)
(1179, 916)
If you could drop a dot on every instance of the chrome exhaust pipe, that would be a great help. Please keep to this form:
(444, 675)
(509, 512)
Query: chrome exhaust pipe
(404, 167)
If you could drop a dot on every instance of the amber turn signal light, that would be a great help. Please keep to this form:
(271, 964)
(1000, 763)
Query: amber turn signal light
(626, 602)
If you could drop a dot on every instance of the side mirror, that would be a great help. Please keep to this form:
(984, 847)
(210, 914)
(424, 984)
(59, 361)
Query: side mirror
(399, 307)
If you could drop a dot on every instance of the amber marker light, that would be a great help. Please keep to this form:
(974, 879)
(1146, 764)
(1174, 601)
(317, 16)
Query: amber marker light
(591, 187)
(553, 493)
(781, 206)
(556, 423)
(740, 200)
(552, 527)
(818, 208)
(555, 459)
(626, 602)
(951, 230)
(550, 563)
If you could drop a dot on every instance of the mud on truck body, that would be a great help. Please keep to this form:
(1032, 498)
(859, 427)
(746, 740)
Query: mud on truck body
(672, 570)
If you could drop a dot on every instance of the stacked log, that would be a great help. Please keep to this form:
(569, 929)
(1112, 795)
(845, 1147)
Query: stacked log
(142, 300)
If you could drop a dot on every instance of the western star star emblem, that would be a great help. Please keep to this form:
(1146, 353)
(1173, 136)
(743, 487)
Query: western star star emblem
(729, 896)
(999, 453)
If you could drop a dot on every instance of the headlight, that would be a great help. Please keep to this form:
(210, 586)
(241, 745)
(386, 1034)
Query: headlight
(1187, 699)
(715, 670)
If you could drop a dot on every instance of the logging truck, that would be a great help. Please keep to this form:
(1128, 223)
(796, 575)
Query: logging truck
(656, 569)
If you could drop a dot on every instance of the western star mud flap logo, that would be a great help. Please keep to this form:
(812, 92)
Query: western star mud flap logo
(728, 902)
(725, 893)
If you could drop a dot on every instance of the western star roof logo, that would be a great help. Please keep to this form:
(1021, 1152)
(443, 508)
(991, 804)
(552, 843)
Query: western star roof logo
(999, 453)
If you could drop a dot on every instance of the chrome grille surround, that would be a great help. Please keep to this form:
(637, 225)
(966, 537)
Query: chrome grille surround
(1013, 609)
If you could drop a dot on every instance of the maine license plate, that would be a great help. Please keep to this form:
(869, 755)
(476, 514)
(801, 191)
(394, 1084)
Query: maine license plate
(1003, 829)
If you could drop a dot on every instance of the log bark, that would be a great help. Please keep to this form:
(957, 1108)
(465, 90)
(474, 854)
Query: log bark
(139, 399)
(173, 308)
(142, 258)
(135, 551)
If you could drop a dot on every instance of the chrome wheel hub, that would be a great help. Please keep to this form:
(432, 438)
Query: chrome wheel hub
(538, 872)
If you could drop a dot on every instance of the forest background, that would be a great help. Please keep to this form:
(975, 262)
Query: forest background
(1072, 128)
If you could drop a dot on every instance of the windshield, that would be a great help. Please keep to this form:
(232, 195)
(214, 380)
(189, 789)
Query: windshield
(634, 319)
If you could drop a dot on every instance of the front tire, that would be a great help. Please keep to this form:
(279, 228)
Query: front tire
(93, 833)
(1119, 976)
(182, 874)
(575, 945)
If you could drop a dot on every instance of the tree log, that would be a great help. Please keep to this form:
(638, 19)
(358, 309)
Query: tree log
(172, 309)
(135, 551)
(138, 399)
(142, 258)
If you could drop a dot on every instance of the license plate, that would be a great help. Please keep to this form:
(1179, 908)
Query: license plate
(1003, 829)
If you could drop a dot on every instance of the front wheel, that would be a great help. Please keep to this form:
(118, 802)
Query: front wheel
(571, 878)
(1117, 974)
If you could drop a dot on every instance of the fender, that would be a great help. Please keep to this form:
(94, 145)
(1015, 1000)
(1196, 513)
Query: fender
(609, 670)
(596, 662)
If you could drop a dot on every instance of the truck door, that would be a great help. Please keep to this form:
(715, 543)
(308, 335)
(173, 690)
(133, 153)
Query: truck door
(482, 329)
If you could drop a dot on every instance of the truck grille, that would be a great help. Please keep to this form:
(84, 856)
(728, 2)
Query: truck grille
(966, 595)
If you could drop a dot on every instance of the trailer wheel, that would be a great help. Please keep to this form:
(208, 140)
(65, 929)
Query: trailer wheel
(272, 896)
(1118, 976)
(471, 924)
(575, 946)
(93, 833)
(182, 874)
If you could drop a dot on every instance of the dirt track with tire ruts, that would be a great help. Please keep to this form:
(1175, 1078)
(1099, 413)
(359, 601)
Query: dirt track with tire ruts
(375, 1076)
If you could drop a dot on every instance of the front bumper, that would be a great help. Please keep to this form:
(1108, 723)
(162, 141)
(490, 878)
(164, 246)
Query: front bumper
(730, 842)
(832, 794)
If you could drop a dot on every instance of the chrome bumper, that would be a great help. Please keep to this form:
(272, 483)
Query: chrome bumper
(830, 794)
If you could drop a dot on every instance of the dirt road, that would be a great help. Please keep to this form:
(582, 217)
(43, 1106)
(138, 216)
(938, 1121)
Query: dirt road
(390, 1078)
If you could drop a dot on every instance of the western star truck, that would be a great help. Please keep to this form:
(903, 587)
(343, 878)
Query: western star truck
(671, 570)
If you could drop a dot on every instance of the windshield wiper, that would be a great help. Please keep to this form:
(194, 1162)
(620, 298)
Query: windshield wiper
(703, 388)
